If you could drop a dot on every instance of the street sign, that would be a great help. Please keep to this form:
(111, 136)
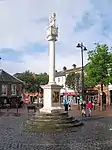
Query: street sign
(27, 100)
(80, 97)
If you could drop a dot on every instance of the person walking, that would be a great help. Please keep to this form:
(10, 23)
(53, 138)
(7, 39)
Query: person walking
(83, 109)
(89, 106)
(66, 105)
(69, 104)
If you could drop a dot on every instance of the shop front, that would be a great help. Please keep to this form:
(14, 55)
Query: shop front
(71, 96)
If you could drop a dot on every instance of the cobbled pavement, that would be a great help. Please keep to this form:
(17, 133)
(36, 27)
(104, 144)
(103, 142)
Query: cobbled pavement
(96, 134)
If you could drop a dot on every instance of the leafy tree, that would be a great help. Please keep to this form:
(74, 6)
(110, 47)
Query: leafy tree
(29, 80)
(78, 81)
(73, 81)
(32, 81)
(42, 78)
(98, 70)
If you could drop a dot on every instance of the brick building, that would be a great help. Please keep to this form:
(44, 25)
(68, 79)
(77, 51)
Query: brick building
(10, 88)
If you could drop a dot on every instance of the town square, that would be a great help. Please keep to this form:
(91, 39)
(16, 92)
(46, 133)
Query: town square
(51, 96)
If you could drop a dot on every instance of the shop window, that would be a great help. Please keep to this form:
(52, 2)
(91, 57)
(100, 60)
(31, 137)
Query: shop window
(4, 89)
(13, 89)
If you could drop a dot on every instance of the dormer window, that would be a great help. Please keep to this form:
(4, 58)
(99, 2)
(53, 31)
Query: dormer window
(4, 89)
(13, 89)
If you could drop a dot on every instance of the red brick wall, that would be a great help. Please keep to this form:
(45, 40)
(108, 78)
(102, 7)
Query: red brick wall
(18, 88)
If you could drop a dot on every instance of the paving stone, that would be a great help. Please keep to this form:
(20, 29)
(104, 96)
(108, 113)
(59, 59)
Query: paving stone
(94, 135)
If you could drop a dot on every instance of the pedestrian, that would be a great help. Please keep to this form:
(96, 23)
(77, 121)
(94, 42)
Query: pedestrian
(93, 105)
(83, 109)
(69, 104)
(89, 106)
(66, 105)
(99, 106)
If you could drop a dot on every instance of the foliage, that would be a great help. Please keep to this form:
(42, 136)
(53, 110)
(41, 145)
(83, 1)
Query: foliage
(32, 81)
(73, 81)
(99, 68)
(42, 78)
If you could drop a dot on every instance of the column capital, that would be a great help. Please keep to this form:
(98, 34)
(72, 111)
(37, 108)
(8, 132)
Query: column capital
(52, 33)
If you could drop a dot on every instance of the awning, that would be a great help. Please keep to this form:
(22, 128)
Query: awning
(70, 93)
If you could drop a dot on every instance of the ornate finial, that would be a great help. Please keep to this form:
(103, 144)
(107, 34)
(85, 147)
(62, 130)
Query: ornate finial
(52, 20)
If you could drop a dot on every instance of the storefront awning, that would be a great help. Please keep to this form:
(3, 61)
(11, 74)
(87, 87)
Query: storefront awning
(70, 93)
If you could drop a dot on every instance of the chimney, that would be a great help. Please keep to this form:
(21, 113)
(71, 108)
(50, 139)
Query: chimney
(64, 68)
(74, 66)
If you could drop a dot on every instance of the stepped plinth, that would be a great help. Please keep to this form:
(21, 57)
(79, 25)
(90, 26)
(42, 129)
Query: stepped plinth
(57, 120)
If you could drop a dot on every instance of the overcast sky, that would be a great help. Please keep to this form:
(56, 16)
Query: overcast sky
(23, 23)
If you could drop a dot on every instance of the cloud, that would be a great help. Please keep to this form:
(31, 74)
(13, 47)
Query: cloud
(23, 25)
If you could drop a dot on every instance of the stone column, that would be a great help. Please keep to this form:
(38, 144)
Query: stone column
(52, 34)
(51, 98)
(52, 62)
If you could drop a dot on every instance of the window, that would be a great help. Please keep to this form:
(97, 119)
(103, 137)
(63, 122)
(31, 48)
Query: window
(4, 89)
(13, 89)
(63, 86)
(58, 79)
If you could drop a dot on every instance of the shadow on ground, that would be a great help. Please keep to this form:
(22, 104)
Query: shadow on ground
(90, 118)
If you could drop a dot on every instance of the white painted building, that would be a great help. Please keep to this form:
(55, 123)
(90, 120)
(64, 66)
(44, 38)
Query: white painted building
(60, 79)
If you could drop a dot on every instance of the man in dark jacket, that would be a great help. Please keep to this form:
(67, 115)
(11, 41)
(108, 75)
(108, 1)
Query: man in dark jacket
(83, 108)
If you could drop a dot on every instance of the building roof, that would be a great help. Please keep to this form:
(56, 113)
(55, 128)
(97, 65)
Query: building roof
(60, 73)
(74, 70)
(63, 73)
(5, 77)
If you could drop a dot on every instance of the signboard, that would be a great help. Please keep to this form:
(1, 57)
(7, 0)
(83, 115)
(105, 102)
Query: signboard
(27, 100)
(80, 97)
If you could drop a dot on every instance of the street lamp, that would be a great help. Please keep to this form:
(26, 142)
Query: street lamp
(83, 48)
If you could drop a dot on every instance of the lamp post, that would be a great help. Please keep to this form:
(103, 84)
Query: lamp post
(83, 48)
(17, 103)
(0, 63)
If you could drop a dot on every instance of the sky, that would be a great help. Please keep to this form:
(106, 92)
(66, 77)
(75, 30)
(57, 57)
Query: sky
(23, 27)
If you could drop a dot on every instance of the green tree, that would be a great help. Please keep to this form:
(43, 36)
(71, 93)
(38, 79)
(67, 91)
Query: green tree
(29, 80)
(42, 78)
(78, 81)
(98, 70)
(73, 81)
(32, 81)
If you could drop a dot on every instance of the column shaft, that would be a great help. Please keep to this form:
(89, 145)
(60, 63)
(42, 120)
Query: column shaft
(52, 62)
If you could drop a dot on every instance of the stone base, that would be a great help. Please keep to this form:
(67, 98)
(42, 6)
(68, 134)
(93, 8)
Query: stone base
(49, 110)
(49, 96)
(57, 120)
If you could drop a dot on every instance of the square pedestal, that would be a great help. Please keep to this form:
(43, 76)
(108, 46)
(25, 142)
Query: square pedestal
(51, 98)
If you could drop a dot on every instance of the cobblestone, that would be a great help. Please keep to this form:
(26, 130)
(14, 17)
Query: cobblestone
(94, 135)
